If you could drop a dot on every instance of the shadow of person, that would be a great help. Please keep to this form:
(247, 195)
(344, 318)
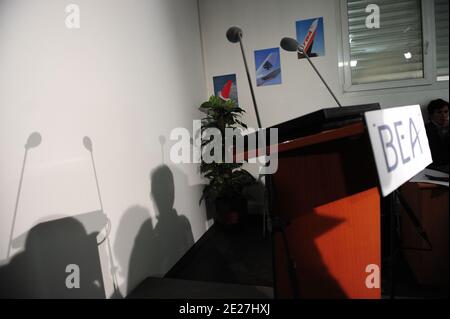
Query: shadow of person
(173, 232)
(41, 270)
(135, 248)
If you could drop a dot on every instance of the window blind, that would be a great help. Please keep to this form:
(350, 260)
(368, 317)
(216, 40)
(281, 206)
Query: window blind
(441, 14)
(392, 52)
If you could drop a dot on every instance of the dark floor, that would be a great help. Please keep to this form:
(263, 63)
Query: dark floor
(226, 263)
(169, 288)
(242, 256)
(238, 255)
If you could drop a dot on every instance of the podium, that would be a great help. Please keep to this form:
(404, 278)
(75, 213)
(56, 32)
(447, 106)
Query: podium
(326, 190)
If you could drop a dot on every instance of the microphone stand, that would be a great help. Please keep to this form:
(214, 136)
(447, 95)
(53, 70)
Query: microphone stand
(258, 119)
(303, 53)
(279, 224)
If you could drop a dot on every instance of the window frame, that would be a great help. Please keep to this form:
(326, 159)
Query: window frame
(439, 78)
(429, 54)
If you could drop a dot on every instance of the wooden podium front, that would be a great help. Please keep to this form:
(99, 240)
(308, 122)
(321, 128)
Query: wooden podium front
(326, 187)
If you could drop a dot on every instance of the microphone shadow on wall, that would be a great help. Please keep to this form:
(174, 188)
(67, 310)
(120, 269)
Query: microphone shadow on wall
(33, 141)
(41, 269)
(155, 248)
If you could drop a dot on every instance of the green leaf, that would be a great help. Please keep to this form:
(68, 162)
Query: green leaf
(225, 179)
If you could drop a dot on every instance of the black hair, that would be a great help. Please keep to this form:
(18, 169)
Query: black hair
(436, 105)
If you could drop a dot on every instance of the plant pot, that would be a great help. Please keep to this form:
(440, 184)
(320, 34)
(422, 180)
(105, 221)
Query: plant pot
(230, 211)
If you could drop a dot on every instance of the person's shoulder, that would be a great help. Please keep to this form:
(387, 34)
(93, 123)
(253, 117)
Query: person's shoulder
(430, 127)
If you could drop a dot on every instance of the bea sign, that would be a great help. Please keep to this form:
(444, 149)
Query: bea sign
(399, 143)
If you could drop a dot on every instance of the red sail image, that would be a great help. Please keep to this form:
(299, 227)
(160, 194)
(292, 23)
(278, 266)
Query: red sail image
(308, 41)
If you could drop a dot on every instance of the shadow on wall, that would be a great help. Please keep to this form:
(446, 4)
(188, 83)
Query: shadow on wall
(33, 141)
(135, 247)
(173, 231)
(155, 248)
(40, 270)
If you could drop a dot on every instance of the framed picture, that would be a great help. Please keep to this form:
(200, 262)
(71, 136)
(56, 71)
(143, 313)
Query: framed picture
(225, 86)
(268, 67)
(310, 36)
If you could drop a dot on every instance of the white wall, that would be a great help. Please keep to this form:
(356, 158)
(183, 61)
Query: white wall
(264, 24)
(131, 74)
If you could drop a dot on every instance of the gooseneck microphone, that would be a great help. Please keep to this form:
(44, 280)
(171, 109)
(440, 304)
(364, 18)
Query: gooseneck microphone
(289, 44)
(292, 45)
(234, 35)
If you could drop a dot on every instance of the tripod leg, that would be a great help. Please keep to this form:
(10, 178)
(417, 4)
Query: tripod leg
(279, 225)
(392, 244)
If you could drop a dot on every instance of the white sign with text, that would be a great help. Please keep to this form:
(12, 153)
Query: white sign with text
(399, 143)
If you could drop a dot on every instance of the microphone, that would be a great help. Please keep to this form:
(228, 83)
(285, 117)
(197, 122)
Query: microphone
(234, 35)
(291, 45)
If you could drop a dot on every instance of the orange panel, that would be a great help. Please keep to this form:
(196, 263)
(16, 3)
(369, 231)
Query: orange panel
(332, 246)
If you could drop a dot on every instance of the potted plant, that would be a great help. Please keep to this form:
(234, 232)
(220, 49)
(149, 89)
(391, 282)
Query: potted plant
(226, 180)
